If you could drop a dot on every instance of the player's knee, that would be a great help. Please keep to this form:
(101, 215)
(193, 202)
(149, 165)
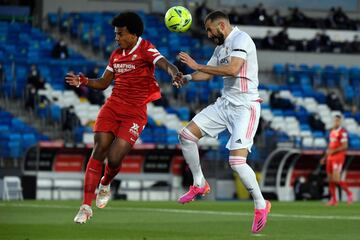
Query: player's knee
(100, 150)
(114, 163)
(336, 179)
(237, 162)
(185, 137)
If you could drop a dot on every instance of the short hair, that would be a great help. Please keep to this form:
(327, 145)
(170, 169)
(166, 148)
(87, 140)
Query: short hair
(131, 21)
(338, 116)
(215, 15)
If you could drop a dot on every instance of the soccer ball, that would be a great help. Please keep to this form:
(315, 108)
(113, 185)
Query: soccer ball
(178, 19)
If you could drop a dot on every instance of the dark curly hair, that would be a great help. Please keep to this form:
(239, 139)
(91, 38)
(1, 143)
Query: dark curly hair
(131, 21)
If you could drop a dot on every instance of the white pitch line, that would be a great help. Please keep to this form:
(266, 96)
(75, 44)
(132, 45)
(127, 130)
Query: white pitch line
(184, 211)
(258, 235)
(244, 214)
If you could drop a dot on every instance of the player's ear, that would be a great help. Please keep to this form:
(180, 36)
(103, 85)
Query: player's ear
(220, 26)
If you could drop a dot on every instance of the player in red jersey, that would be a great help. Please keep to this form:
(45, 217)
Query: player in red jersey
(123, 117)
(335, 158)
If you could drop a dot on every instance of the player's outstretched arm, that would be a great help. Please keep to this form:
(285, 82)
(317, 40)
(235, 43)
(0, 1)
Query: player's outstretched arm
(101, 83)
(168, 67)
(198, 76)
(172, 70)
(231, 69)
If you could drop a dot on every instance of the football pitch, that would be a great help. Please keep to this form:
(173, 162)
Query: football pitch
(207, 220)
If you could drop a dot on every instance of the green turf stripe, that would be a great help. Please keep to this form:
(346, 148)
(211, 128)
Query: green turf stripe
(185, 211)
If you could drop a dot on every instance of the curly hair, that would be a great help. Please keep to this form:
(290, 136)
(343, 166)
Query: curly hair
(131, 21)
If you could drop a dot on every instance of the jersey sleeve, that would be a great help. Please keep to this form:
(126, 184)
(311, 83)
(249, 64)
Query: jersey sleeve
(110, 65)
(151, 54)
(240, 46)
(343, 136)
(213, 60)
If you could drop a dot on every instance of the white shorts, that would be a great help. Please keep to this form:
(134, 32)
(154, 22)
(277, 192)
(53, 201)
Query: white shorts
(241, 121)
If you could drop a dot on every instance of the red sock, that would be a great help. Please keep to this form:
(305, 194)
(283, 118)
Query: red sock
(332, 191)
(109, 174)
(91, 179)
(345, 187)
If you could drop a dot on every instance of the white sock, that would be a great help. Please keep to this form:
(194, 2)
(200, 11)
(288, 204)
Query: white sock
(190, 152)
(248, 178)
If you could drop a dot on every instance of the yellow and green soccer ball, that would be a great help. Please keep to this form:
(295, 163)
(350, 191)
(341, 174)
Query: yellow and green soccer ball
(178, 19)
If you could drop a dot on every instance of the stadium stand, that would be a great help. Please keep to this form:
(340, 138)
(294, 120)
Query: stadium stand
(297, 110)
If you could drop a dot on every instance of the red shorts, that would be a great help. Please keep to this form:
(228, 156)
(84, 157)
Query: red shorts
(334, 163)
(123, 120)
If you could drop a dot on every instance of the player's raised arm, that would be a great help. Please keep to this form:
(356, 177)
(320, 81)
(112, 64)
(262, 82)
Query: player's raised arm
(198, 76)
(100, 83)
(168, 67)
(231, 69)
(172, 70)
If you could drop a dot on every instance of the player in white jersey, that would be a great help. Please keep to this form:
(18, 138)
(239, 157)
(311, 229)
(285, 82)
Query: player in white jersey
(237, 110)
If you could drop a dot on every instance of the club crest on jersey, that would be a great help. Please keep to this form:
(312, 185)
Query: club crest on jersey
(134, 130)
(133, 57)
(224, 61)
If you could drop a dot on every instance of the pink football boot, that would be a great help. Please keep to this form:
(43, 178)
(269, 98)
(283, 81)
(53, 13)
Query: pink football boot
(193, 192)
(260, 218)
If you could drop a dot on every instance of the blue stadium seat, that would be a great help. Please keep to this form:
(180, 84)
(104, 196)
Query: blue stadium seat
(159, 135)
(55, 112)
(171, 137)
(4, 129)
(330, 76)
(289, 113)
(315, 72)
(305, 127)
(52, 19)
(17, 125)
(147, 135)
(277, 112)
(354, 143)
(265, 106)
(151, 122)
(318, 134)
(282, 137)
(29, 140)
(349, 94)
(183, 113)
(279, 69)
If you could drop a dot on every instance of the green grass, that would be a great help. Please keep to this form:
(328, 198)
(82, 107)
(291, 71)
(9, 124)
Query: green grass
(205, 220)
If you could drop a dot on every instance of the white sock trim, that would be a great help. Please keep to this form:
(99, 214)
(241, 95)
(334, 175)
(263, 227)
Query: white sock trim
(187, 134)
(237, 160)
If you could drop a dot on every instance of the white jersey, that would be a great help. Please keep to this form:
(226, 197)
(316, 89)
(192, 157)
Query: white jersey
(244, 87)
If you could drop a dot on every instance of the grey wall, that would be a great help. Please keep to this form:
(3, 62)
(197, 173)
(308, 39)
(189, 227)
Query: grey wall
(322, 5)
(94, 5)
(267, 59)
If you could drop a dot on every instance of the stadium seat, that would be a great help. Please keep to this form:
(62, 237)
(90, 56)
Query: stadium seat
(12, 189)
(307, 142)
(279, 69)
(319, 143)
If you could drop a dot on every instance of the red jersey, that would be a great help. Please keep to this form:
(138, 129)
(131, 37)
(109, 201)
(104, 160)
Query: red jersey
(133, 70)
(337, 138)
